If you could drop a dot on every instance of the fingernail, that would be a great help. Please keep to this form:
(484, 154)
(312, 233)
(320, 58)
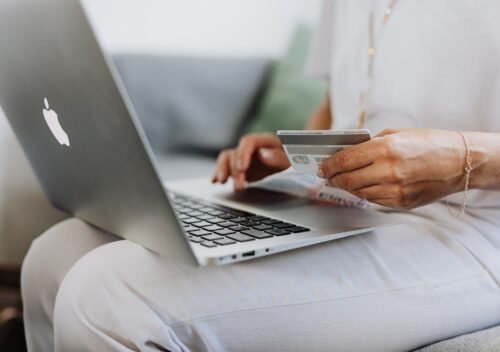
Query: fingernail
(321, 173)
(266, 153)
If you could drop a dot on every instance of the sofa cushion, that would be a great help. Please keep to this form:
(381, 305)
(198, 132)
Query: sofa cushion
(292, 95)
(185, 164)
(482, 341)
(192, 102)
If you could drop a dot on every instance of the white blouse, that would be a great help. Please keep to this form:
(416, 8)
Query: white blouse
(437, 66)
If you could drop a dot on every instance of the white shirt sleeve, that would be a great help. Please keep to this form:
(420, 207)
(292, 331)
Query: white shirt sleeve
(320, 59)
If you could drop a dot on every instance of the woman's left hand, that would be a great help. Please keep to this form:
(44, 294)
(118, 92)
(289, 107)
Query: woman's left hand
(401, 169)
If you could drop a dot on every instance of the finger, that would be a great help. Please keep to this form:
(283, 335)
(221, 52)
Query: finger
(387, 132)
(274, 158)
(361, 178)
(249, 144)
(222, 172)
(238, 176)
(349, 159)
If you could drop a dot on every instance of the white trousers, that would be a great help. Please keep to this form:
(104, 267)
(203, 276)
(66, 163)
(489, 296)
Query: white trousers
(396, 289)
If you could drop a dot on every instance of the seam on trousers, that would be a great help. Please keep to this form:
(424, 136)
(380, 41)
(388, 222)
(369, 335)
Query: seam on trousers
(173, 325)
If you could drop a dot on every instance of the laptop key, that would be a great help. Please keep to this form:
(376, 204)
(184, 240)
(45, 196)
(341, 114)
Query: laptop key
(195, 214)
(208, 244)
(212, 237)
(206, 209)
(183, 216)
(200, 233)
(213, 228)
(189, 228)
(226, 216)
(238, 212)
(270, 222)
(239, 228)
(249, 223)
(216, 212)
(202, 224)
(224, 232)
(263, 227)
(298, 229)
(278, 232)
(226, 224)
(240, 237)
(196, 239)
(204, 217)
(215, 221)
(225, 241)
(190, 220)
(257, 234)
(238, 220)
(257, 218)
(283, 225)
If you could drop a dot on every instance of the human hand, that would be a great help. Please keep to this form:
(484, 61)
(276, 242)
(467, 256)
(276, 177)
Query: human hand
(257, 156)
(401, 169)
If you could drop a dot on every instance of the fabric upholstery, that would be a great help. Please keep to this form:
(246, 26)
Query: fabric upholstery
(292, 95)
(192, 102)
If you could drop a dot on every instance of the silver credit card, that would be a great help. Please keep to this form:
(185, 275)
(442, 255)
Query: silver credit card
(307, 150)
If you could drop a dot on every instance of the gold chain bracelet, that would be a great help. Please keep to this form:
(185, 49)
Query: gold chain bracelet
(468, 170)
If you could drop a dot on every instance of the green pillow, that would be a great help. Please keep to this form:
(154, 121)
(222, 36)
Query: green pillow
(292, 96)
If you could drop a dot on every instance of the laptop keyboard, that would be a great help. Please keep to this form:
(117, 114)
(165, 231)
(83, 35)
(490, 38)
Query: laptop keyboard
(212, 225)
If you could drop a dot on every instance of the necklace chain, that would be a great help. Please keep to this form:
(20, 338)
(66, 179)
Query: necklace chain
(372, 53)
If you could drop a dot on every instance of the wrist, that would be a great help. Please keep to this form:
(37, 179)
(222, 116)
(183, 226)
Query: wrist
(480, 147)
(457, 173)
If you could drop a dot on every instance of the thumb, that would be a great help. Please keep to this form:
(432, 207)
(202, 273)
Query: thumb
(387, 131)
(274, 158)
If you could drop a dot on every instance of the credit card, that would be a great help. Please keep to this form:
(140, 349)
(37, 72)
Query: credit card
(307, 150)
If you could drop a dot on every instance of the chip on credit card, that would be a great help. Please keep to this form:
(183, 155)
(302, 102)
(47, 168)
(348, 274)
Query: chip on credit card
(307, 150)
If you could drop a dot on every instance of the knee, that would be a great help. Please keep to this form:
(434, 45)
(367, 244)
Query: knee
(42, 270)
(51, 256)
(98, 304)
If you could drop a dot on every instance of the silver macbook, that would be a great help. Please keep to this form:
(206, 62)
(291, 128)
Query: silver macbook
(72, 116)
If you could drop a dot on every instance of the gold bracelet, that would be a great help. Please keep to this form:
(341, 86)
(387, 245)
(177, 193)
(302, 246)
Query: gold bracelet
(468, 170)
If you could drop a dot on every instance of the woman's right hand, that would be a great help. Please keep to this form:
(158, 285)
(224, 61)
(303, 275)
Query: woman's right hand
(257, 156)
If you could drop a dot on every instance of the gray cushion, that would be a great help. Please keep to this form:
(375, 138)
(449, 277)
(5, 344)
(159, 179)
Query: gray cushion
(481, 341)
(192, 102)
(185, 164)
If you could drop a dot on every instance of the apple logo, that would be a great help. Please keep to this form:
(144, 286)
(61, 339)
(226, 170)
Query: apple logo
(55, 127)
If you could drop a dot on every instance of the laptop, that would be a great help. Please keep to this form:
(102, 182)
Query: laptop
(74, 120)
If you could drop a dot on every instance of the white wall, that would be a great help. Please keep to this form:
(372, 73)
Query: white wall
(200, 27)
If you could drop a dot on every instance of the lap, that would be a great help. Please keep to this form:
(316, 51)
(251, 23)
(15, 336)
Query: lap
(396, 288)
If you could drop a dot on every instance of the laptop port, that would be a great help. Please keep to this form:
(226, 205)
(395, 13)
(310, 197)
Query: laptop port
(248, 254)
